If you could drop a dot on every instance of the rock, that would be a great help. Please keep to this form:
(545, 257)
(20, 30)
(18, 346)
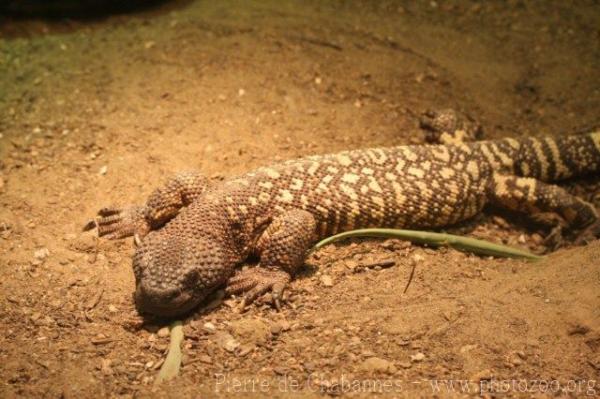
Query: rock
(112, 309)
(245, 349)
(285, 325)
(103, 170)
(276, 329)
(84, 243)
(594, 361)
(205, 359)
(482, 375)
(163, 332)
(405, 365)
(418, 357)
(225, 341)
(418, 258)
(41, 253)
(209, 327)
(326, 280)
(105, 367)
(577, 328)
(250, 331)
(377, 365)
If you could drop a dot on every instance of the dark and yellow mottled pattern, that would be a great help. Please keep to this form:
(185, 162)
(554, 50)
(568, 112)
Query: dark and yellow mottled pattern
(279, 211)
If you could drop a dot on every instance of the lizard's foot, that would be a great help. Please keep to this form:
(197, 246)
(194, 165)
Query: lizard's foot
(257, 281)
(589, 234)
(116, 223)
(557, 225)
(448, 127)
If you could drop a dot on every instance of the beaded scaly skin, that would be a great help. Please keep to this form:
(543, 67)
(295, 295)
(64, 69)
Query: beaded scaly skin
(191, 235)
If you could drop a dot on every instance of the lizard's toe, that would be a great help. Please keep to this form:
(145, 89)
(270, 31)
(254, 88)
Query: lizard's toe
(110, 210)
(257, 281)
(554, 239)
(589, 234)
(116, 223)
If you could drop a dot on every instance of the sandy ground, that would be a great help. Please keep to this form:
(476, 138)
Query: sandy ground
(100, 112)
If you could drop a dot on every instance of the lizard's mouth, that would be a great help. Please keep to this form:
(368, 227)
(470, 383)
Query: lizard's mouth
(163, 303)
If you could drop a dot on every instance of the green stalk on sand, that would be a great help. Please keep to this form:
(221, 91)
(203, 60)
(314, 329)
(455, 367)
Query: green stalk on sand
(461, 243)
(170, 368)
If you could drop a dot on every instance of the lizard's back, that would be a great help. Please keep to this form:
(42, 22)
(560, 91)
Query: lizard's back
(404, 186)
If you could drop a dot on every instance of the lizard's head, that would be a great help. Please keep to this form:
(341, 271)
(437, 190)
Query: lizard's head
(174, 273)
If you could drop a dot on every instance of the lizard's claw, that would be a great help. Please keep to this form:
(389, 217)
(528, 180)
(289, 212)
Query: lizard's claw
(115, 223)
(257, 281)
(589, 234)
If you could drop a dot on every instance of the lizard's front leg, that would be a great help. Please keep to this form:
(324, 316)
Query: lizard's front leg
(282, 249)
(163, 204)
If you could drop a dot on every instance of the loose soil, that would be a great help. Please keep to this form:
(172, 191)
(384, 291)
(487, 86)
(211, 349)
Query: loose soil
(96, 112)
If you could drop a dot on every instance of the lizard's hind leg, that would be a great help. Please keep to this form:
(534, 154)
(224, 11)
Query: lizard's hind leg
(164, 203)
(542, 200)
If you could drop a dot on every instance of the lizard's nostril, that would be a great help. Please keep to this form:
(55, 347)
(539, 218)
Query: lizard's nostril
(162, 301)
(190, 278)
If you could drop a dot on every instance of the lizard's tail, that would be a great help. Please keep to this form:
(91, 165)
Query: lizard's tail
(557, 158)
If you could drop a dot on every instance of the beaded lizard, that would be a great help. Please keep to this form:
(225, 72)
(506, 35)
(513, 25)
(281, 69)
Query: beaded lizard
(191, 235)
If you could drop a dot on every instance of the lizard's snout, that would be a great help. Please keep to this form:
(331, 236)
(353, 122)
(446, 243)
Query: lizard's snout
(162, 302)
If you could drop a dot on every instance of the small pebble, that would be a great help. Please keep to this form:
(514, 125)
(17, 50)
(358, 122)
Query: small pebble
(41, 253)
(244, 350)
(482, 375)
(163, 332)
(230, 345)
(418, 258)
(209, 327)
(103, 170)
(205, 359)
(376, 364)
(105, 366)
(405, 365)
(326, 280)
(417, 357)
(276, 329)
